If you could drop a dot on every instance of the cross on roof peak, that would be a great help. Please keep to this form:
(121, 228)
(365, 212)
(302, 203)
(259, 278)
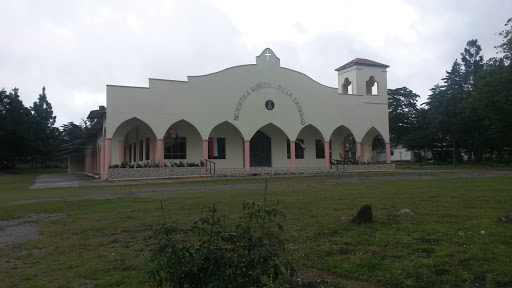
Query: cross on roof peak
(267, 54)
(267, 57)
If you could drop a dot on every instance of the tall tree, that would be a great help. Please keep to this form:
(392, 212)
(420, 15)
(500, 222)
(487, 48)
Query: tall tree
(506, 46)
(444, 108)
(490, 105)
(45, 137)
(421, 136)
(15, 128)
(472, 62)
(71, 132)
(401, 110)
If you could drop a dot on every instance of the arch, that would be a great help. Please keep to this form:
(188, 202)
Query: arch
(278, 144)
(372, 86)
(127, 125)
(132, 141)
(182, 141)
(267, 126)
(373, 146)
(342, 142)
(310, 129)
(225, 145)
(311, 139)
(347, 87)
(371, 133)
(224, 125)
(341, 130)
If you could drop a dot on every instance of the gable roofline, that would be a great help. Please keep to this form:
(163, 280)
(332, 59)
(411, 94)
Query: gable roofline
(362, 61)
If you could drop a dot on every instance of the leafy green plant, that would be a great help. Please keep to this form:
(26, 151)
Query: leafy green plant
(210, 254)
(124, 164)
(192, 164)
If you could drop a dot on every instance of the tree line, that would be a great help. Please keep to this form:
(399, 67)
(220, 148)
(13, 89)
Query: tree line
(469, 113)
(28, 134)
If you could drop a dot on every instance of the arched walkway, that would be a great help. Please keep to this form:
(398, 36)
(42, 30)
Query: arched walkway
(225, 146)
(314, 148)
(374, 148)
(181, 142)
(133, 143)
(344, 146)
(267, 148)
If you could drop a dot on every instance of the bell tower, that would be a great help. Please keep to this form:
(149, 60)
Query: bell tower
(364, 77)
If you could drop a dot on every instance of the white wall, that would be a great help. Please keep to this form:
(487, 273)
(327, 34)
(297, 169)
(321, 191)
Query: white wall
(234, 146)
(206, 101)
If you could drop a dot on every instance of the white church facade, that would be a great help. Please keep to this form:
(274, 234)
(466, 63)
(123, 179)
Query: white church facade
(247, 116)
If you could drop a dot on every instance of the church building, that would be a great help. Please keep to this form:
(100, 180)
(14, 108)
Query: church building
(244, 117)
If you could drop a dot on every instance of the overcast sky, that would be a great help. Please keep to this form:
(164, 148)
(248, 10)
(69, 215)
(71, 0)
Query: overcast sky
(75, 48)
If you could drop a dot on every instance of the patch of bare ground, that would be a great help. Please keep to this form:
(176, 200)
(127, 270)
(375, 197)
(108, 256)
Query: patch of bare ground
(24, 228)
(312, 278)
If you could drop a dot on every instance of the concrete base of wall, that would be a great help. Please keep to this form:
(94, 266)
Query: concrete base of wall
(176, 172)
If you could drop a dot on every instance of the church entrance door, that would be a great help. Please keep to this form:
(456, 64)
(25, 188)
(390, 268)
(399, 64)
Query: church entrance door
(260, 150)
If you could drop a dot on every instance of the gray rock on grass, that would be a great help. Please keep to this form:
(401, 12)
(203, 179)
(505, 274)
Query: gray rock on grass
(505, 218)
(405, 211)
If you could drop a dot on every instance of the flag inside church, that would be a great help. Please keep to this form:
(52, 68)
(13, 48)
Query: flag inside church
(171, 133)
(213, 147)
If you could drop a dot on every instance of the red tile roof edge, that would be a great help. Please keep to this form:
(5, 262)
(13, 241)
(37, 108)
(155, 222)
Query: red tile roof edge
(362, 61)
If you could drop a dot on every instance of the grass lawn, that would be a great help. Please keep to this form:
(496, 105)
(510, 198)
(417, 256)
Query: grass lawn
(100, 243)
(450, 166)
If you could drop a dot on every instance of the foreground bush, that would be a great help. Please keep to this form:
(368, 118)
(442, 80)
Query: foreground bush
(208, 254)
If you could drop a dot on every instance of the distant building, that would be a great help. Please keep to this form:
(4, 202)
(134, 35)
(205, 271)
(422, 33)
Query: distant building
(400, 153)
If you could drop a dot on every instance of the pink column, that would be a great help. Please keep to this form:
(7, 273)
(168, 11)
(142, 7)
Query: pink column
(89, 161)
(97, 160)
(152, 152)
(247, 161)
(359, 156)
(108, 155)
(121, 151)
(362, 153)
(160, 152)
(326, 152)
(388, 152)
(85, 161)
(292, 155)
(205, 150)
(102, 158)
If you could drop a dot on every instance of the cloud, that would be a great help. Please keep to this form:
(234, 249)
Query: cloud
(75, 48)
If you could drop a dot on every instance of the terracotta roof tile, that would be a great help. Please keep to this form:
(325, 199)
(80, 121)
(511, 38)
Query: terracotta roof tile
(362, 61)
